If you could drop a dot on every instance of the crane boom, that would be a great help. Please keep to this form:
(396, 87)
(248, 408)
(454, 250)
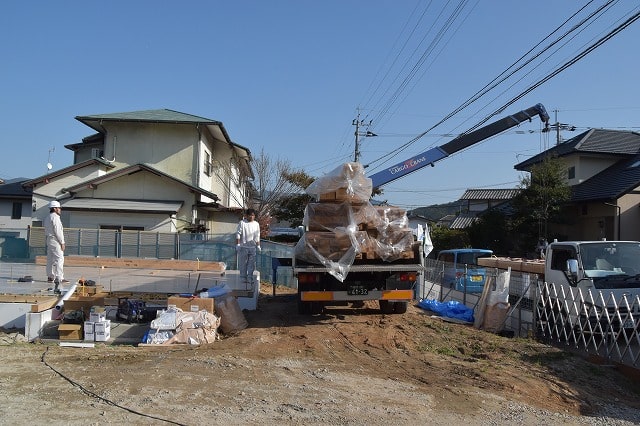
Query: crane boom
(458, 144)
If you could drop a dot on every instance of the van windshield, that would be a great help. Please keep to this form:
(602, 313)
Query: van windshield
(470, 258)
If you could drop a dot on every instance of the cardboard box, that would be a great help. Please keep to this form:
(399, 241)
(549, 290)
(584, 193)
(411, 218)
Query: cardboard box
(191, 304)
(70, 332)
(89, 331)
(102, 330)
(97, 316)
(83, 303)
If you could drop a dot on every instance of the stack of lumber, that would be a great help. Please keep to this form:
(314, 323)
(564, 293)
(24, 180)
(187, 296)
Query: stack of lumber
(342, 222)
(532, 266)
(138, 263)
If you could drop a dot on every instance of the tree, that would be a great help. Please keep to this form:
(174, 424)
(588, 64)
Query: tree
(492, 231)
(290, 206)
(543, 193)
(445, 238)
(269, 184)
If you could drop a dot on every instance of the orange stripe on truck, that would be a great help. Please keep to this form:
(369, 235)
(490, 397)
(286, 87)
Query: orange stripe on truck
(315, 296)
(397, 294)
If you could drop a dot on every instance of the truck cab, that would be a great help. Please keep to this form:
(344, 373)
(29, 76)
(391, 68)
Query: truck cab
(600, 273)
(461, 270)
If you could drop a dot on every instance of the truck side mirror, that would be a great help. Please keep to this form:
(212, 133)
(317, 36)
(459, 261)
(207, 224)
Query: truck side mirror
(572, 271)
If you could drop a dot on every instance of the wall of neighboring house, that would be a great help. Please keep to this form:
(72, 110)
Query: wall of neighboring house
(8, 223)
(586, 167)
(226, 176)
(476, 206)
(226, 223)
(629, 215)
(51, 189)
(146, 186)
(95, 220)
(168, 148)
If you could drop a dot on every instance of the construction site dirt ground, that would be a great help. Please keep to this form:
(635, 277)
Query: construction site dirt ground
(347, 366)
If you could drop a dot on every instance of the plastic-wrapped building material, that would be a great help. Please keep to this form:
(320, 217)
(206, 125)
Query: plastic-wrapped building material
(345, 183)
(339, 233)
(174, 326)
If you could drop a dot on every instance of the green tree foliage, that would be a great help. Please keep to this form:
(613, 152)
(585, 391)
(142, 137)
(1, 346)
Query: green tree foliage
(543, 193)
(492, 231)
(445, 238)
(290, 207)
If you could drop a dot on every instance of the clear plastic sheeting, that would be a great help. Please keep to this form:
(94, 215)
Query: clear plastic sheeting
(348, 178)
(341, 230)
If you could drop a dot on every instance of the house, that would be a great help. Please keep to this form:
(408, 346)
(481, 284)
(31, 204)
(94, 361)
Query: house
(476, 201)
(155, 170)
(603, 170)
(15, 208)
(15, 218)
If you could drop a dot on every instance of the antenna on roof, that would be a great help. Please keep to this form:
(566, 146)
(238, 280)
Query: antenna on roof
(49, 165)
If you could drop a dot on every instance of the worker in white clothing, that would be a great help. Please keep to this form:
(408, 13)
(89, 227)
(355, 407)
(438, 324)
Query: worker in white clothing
(54, 234)
(247, 244)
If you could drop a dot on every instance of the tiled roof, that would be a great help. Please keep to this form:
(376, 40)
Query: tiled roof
(597, 141)
(12, 188)
(152, 115)
(463, 221)
(611, 183)
(489, 194)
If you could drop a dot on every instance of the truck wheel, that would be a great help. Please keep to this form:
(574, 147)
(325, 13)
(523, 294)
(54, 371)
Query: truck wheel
(304, 308)
(316, 308)
(400, 307)
(386, 307)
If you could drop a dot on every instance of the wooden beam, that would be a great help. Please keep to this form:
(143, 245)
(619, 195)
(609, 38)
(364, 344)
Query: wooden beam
(138, 263)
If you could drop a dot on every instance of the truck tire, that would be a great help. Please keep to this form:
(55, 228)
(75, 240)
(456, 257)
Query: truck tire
(304, 308)
(386, 307)
(400, 307)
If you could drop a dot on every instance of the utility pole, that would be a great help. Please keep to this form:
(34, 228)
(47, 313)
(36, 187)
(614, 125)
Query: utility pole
(360, 123)
(560, 126)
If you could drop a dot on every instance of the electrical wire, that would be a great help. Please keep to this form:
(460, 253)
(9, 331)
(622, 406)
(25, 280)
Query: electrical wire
(526, 91)
(101, 398)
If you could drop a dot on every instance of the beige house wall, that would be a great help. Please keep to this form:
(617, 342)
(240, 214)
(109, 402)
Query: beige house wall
(170, 149)
(53, 187)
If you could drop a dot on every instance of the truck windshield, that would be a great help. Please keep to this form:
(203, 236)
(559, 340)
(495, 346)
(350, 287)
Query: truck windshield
(609, 259)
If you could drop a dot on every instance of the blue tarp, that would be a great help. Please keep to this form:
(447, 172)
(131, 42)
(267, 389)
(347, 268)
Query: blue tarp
(450, 309)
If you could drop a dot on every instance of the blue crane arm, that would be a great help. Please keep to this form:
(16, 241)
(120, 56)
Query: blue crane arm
(463, 141)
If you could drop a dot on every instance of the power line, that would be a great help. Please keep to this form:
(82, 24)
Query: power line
(529, 89)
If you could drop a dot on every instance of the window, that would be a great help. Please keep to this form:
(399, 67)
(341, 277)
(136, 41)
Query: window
(16, 212)
(571, 172)
(207, 163)
(560, 256)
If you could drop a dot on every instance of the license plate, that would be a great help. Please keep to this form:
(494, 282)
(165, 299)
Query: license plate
(476, 278)
(357, 290)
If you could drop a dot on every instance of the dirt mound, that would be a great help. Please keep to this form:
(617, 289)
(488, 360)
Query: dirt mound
(347, 366)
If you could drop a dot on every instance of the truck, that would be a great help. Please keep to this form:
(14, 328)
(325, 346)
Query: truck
(352, 251)
(589, 287)
(593, 286)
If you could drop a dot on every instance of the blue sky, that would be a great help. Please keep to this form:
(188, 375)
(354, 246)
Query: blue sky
(289, 77)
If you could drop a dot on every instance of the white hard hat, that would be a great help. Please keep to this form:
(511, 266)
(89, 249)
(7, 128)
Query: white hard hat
(54, 204)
